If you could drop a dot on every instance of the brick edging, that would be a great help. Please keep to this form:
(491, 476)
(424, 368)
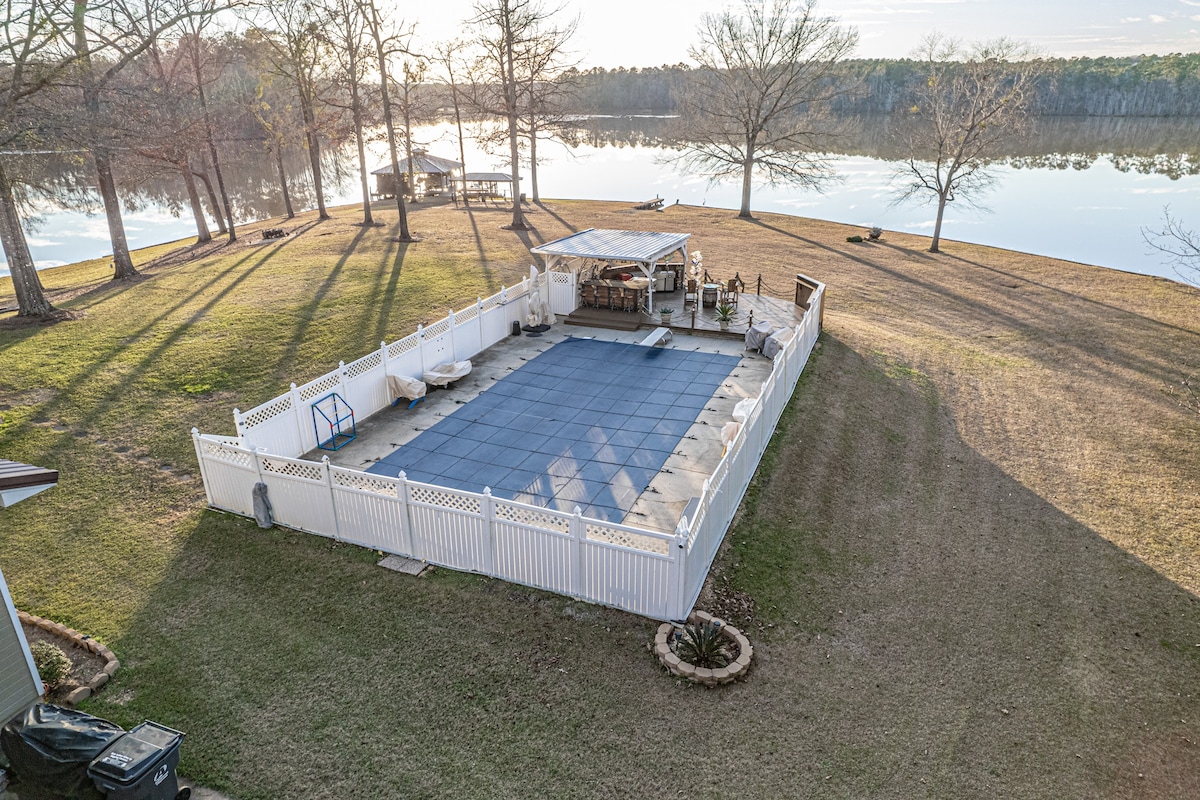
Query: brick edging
(703, 675)
(81, 640)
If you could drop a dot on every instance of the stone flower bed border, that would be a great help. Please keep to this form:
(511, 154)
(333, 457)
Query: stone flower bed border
(704, 675)
(83, 641)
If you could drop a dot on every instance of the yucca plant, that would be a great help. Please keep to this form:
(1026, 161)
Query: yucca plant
(701, 644)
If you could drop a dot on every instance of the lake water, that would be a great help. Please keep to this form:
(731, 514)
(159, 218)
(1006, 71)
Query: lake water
(1090, 211)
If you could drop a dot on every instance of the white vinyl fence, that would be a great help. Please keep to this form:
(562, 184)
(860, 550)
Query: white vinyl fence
(654, 574)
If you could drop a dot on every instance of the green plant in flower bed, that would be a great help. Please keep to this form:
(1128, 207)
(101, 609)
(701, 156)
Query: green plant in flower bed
(52, 663)
(701, 644)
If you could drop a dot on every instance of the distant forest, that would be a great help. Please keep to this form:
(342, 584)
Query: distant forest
(1150, 86)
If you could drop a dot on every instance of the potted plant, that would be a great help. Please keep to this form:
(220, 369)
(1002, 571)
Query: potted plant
(725, 313)
(665, 312)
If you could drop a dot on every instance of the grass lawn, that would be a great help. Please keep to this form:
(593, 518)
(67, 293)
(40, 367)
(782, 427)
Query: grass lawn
(969, 563)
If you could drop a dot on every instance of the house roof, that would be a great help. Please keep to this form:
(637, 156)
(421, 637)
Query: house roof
(18, 481)
(643, 246)
(422, 163)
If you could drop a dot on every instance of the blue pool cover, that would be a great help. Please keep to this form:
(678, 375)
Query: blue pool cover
(586, 424)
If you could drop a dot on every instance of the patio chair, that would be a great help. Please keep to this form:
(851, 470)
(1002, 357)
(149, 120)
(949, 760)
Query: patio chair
(629, 300)
(729, 292)
(691, 294)
(588, 295)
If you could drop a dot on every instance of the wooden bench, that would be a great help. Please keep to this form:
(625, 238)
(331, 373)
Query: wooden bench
(650, 205)
(659, 338)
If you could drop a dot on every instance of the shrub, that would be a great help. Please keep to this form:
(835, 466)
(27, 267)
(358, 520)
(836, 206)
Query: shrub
(52, 663)
(701, 644)
(854, 238)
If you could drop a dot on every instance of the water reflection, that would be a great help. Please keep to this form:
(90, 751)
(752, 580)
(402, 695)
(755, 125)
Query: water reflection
(620, 158)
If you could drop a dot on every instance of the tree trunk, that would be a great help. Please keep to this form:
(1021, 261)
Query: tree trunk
(533, 183)
(283, 184)
(747, 183)
(314, 150)
(31, 298)
(405, 235)
(462, 152)
(218, 215)
(408, 148)
(356, 113)
(212, 147)
(937, 226)
(202, 232)
(510, 91)
(122, 263)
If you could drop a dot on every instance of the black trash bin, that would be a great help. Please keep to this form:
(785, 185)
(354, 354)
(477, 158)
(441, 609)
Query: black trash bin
(140, 765)
(49, 749)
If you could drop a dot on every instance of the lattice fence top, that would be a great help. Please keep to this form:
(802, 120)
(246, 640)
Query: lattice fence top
(634, 541)
(491, 302)
(364, 481)
(364, 365)
(466, 315)
(321, 386)
(443, 498)
(436, 329)
(228, 453)
(402, 346)
(520, 290)
(293, 469)
(524, 515)
(561, 277)
(267, 411)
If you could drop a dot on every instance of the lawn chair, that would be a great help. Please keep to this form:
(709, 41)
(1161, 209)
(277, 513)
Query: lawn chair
(692, 293)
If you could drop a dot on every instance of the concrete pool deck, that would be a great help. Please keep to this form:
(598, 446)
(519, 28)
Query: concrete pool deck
(681, 477)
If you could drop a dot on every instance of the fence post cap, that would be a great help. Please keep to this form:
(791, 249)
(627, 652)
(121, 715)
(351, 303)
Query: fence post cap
(402, 475)
(293, 385)
(487, 491)
(195, 431)
(578, 512)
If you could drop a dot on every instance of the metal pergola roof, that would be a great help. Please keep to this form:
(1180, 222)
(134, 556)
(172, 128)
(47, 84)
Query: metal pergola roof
(645, 247)
(485, 177)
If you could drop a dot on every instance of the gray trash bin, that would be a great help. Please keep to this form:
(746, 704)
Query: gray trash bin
(140, 765)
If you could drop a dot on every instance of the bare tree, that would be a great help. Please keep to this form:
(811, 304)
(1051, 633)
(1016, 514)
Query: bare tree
(544, 63)
(412, 74)
(967, 104)
(446, 56)
(35, 55)
(506, 28)
(196, 52)
(347, 35)
(388, 43)
(1180, 243)
(755, 108)
(302, 55)
(125, 29)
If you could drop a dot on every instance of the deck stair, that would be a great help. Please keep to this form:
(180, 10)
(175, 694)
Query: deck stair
(604, 318)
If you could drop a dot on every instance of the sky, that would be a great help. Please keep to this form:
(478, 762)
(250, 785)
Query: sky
(645, 33)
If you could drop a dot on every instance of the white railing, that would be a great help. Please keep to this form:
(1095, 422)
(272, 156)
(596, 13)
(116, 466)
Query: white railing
(651, 573)
(283, 425)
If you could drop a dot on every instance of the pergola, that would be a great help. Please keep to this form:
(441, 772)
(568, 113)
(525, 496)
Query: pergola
(645, 249)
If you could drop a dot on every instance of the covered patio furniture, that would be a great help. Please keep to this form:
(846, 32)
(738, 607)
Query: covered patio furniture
(758, 334)
(402, 387)
(776, 341)
(445, 374)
